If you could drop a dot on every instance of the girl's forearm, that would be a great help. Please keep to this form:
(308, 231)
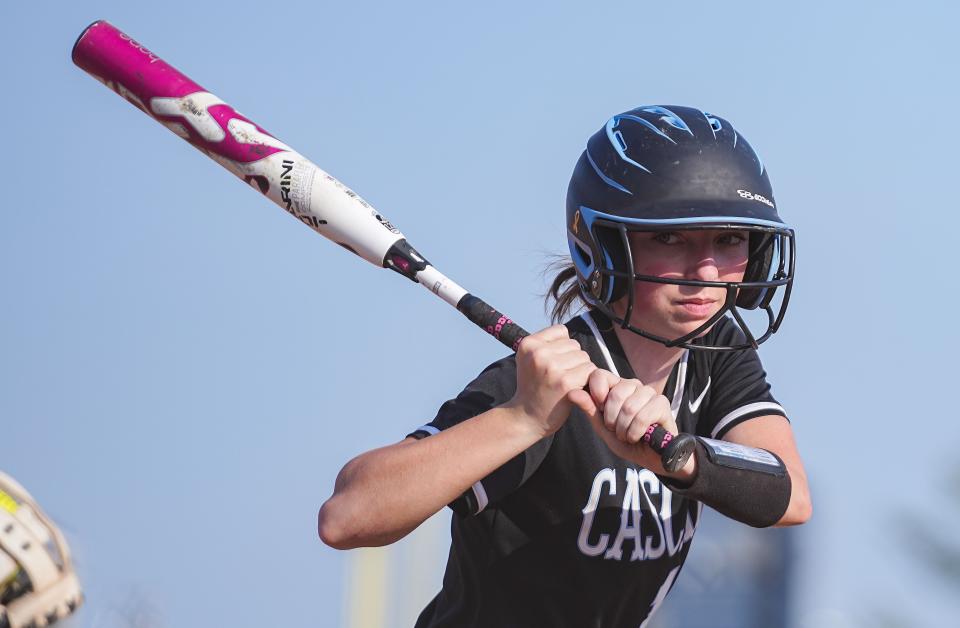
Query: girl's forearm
(382, 495)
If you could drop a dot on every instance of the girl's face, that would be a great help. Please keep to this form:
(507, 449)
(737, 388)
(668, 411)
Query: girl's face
(672, 311)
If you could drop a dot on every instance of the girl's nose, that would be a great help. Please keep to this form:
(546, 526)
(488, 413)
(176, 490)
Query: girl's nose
(703, 264)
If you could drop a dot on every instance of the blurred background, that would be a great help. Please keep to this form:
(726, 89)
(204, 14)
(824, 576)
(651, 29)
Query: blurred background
(184, 369)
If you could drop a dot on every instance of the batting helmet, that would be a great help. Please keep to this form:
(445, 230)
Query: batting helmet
(657, 168)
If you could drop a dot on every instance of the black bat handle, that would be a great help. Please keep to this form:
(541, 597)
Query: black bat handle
(674, 450)
(491, 321)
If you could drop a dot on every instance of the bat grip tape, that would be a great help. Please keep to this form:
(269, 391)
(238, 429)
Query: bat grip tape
(674, 450)
(492, 321)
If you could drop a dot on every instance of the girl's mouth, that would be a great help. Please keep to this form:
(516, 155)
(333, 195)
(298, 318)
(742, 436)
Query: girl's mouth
(699, 308)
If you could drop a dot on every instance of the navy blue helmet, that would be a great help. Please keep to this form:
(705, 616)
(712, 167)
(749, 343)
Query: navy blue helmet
(669, 168)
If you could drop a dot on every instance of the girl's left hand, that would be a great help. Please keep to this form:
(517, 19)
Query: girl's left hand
(621, 411)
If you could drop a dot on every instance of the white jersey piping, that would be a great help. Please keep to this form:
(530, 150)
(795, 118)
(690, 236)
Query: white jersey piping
(681, 384)
(481, 494)
(739, 412)
(603, 346)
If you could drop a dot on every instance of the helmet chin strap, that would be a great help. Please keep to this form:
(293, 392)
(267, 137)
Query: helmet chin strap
(687, 341)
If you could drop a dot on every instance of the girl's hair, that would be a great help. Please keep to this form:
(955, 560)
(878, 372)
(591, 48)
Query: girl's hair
(564, 290)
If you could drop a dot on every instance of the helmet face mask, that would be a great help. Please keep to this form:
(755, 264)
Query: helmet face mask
(675, 169)
(769, 267)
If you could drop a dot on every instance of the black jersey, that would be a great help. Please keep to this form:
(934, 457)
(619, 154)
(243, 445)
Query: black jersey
(568, 534)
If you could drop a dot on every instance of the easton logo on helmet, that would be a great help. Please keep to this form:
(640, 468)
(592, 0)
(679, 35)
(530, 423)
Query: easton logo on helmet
(756, 197)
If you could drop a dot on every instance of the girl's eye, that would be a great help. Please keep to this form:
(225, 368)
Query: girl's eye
(667, 237)
(732, 239)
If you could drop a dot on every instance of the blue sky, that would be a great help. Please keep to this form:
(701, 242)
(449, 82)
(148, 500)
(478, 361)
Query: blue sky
(185, 368)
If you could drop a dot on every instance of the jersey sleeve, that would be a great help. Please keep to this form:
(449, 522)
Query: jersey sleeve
(740, 390)
(494, 386)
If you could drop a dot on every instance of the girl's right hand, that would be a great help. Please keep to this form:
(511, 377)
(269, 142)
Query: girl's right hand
(621, 411)
(550, 366)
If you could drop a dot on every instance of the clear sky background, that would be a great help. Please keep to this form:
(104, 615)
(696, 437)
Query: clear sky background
(184, 368)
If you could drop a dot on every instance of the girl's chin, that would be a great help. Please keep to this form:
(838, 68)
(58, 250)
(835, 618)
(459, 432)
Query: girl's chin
(675, 330)
(677, 322)
(683, 327)
(689, 323)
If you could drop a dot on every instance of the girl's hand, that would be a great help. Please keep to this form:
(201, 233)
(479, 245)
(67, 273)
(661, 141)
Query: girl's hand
(550, 367)
(621, 411)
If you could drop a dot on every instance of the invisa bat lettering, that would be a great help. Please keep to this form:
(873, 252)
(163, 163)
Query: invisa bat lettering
(285, 179)
(285, 185)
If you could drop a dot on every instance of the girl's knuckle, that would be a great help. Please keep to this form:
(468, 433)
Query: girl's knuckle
(618, 394)
(636, 431)
(632, 406)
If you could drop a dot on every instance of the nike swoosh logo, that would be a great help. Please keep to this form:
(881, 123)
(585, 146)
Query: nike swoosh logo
(695, 405)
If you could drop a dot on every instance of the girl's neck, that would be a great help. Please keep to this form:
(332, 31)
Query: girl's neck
(650, 360)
